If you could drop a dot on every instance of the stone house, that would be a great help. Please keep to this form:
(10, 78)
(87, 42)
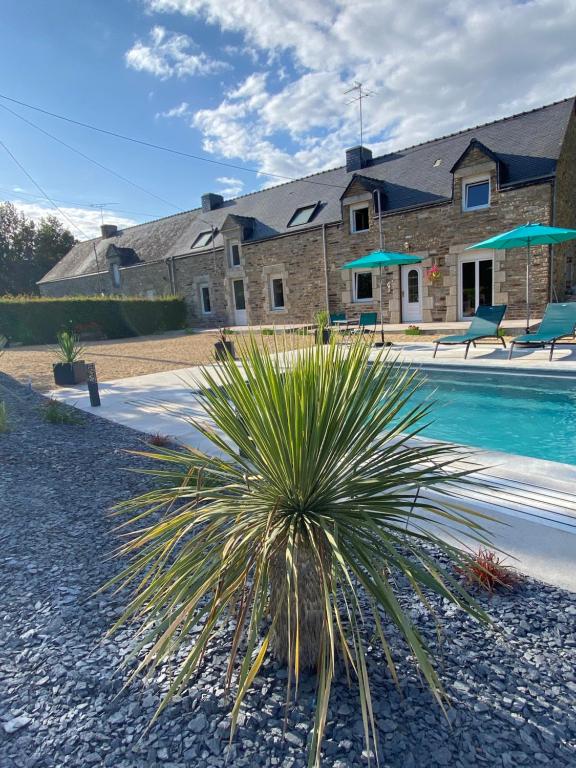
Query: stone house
(275, 256)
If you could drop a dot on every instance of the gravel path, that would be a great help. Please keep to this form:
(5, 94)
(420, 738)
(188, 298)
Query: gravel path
(60, 701)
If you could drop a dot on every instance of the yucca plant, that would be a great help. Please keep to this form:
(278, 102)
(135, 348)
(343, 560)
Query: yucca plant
(313, 503)
(68, 348)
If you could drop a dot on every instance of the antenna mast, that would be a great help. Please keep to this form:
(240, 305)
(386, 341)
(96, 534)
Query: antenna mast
(362, 94)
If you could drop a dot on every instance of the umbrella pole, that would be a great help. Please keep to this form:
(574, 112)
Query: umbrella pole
(528, 289)
(381, 311)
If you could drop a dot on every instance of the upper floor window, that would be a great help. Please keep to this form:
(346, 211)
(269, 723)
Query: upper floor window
(277, 293)
(203, 239)
(362, 286)
(234, 253)
(476, 194)
(359, 218)
(303, 215)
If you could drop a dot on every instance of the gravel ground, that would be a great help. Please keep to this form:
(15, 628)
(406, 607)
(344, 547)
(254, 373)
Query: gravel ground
(123, 358)
(513, 691)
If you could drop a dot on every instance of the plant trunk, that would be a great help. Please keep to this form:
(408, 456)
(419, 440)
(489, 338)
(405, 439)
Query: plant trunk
(311, 609)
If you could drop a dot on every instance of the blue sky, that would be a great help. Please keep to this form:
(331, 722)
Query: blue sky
(256, 84)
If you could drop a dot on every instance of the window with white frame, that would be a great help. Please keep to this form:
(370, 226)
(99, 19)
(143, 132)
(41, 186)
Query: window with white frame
(234, 253)
(362, 286)
(277, 300)
(359, 217)
(205, 300)
(476, 193)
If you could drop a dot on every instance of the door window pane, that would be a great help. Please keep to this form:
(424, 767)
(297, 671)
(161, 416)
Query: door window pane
(239, 300)
(206, 304)
(485, 282)
(413, 287)
(468, 288)
(363, 286)
(277, 293)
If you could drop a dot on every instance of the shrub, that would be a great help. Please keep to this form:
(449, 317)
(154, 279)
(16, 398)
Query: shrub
(55, 412)
(313, 494)
(161, 441)
(487, 571)
(3, 417)
(267, 332)
(413, 330)
(38, 320)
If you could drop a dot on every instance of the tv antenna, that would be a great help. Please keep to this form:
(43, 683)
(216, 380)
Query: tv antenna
(101, 206)
(362, 93)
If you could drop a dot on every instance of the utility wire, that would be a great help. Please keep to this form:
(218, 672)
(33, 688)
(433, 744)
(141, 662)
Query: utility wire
(151, 145)
(90, 159)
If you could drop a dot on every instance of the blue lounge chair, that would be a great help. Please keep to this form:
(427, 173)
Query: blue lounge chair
(558, 322)
(485, 325)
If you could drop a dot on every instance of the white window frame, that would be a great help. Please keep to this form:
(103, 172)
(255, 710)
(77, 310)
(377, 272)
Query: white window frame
(486, 255)
(471, 181)
(201, 287)
(353, 209)
(229, 246)
(271, 279)
(355, 298)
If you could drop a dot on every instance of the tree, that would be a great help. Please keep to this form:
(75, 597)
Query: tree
(28, 250)
(315, 506)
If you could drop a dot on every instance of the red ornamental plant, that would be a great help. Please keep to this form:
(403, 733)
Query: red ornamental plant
(433, 273)
(488, 572)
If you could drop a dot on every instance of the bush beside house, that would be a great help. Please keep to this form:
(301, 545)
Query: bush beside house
(32, 320)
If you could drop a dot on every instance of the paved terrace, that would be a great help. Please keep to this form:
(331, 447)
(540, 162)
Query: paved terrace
(536, 500)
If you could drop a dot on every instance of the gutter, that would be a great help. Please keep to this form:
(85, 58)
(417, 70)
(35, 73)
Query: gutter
(325, 257)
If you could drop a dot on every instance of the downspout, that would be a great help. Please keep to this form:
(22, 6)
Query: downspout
(325, 257)
(552, 247)
(170, 278)
(174, 281)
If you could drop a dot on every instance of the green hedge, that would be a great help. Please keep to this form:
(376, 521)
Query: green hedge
(37, 320)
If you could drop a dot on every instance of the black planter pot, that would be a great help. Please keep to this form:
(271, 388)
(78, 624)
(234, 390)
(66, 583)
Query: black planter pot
(223, 348)
(67, 374)
(323, 337)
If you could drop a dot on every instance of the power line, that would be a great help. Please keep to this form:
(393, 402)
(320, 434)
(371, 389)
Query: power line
(47, 196)
(90, 159)
(178, 152)
(78, 203)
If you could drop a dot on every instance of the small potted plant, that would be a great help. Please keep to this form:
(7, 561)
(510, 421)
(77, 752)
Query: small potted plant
(322, 329)
(433, 274)
(69, 369)
(223, 347)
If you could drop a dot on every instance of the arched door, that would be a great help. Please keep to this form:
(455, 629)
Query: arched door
(411, 294)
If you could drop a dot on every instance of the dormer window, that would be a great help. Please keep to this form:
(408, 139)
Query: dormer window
(359, 218)
(203, 239)
(303, 215)
(233, 248)
(476, 194)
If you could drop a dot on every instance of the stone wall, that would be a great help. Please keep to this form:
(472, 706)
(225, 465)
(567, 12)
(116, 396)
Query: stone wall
(565, 214)
(438, 233)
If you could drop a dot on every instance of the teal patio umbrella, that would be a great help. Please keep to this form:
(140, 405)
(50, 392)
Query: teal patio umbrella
(381, 259)
(525, 237)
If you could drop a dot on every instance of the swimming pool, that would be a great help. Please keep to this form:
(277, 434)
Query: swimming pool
(516, 413)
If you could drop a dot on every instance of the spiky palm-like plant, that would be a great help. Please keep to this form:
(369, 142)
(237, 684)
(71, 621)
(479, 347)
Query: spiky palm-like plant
(313, 500)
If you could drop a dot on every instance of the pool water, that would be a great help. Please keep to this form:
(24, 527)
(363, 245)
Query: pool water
(527, 415)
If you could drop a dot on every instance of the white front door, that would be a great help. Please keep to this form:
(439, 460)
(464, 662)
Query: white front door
(240, 315)
(411, 294)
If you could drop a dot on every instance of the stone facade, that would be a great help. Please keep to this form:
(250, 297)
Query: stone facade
(309, 261)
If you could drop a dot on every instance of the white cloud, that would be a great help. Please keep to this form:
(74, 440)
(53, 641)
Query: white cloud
(169, 54)
(86, 219)
(182, 110)
(229, 186)
(434, 68)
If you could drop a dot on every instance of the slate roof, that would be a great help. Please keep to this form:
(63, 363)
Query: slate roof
(527, 145)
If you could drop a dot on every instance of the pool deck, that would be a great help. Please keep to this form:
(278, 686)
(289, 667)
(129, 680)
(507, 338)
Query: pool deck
(533, 502)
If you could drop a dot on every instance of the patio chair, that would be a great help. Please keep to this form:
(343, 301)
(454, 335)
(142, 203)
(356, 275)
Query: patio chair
(485, 325)
(367, 319)
(558, 322)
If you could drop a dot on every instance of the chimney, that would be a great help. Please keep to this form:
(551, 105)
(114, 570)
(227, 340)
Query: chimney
(210, 201)
(108, 230)
(357, 158)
